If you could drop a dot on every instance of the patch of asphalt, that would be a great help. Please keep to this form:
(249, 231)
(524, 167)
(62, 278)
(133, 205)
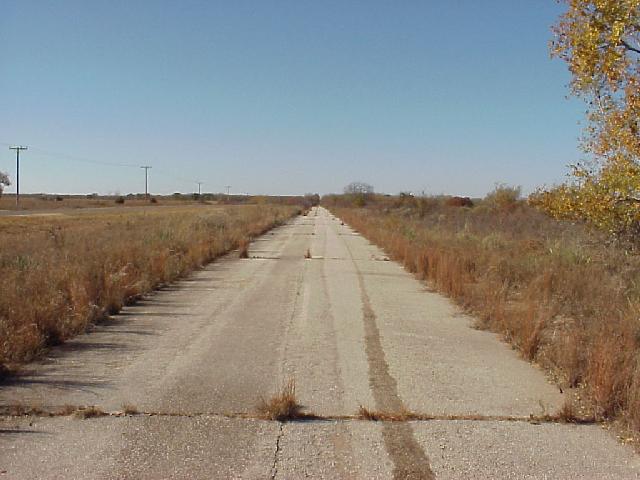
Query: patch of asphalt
(311, 356)
(331, 450)
(138, 447)
(504, 450)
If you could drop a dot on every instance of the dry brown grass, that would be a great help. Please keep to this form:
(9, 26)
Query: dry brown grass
(78, 202)
(58, 274)
(567, 413)
(365, 413)
(307, 254)
(562, 296)
(282, 406)
(66, 410)
(129, 409)
(243, 249)
(89, 412)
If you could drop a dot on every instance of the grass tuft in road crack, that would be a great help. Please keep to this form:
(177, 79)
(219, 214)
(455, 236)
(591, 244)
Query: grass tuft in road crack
(89, 412)
(365, 413)
(129, 409)
(282, 406)
(243, 250)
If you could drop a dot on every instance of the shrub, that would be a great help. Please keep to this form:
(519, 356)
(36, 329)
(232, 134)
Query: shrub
(503, 197)
(459, 202)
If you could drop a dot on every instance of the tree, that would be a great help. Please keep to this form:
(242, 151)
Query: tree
(358, 188)
(4, 182)
(600, 41)
(359, 192)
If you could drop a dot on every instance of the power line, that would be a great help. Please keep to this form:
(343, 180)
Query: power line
(75, 158)
(86, 160)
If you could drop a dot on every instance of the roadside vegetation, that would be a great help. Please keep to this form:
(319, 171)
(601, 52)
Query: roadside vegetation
(599, 41)
(61, 273)
(565, 296)
(44, 201)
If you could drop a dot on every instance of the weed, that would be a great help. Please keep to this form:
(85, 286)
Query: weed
(307, 254)
(378, 416)
(17, 410)
(67, 410)
(129, 409)
(89, 412)
(243, 249)
(567, 413)
(282, 406)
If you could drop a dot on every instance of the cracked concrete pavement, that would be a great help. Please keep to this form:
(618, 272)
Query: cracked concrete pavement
(351, 329)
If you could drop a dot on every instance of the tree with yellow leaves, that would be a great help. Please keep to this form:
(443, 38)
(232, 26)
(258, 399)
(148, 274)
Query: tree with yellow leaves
(600, 41)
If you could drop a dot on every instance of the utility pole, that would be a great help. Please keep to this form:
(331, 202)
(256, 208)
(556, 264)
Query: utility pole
(199, 184)
(18, 148)
(228, 189)
(146, 180)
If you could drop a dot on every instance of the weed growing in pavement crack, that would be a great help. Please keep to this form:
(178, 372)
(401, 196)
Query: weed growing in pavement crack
(129, 409)
(282, 406)
(89, 412)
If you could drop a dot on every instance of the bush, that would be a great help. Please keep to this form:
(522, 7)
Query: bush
(119, 200)
(606, 199)
(459, 202)
(503, 197)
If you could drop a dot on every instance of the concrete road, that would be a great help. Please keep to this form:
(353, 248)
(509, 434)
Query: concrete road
(352, 328)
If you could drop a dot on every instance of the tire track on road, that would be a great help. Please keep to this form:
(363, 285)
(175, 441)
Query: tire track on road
(409, 459)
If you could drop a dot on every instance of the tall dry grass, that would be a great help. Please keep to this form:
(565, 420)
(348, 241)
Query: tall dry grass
(66, 202)
(561, 295)
(59, 274)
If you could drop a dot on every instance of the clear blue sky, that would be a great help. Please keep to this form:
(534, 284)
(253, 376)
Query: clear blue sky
(284, 96)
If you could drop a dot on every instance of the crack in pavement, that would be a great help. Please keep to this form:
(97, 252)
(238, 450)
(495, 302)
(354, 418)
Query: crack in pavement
(376, 416)
(276, 453)
(409, 459)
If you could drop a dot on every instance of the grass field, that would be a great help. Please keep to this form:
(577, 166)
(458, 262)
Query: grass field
(47, 202)
(58, 202)
(60, 273)
(563, 296)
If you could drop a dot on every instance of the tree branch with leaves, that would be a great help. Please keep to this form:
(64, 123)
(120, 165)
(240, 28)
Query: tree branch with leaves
(600, 42)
